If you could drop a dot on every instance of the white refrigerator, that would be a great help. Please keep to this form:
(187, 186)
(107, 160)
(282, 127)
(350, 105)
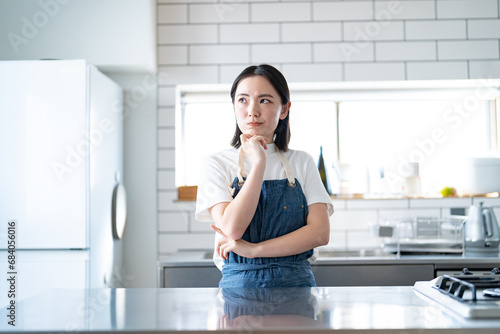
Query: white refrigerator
(61, 167)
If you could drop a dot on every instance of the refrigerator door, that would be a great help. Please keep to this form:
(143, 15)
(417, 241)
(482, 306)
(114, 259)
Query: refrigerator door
(43, 153)
(38, 271)
(106, 170)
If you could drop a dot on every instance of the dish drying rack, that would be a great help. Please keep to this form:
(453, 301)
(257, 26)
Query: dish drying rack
(424, 235)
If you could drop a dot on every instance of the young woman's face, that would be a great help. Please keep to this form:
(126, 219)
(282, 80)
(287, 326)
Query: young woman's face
(257, 106)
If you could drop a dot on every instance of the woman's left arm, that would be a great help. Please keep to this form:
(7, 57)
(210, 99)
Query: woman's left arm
(315, 233)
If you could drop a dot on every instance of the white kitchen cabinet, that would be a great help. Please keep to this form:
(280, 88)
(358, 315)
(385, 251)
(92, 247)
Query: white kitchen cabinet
(115, 35)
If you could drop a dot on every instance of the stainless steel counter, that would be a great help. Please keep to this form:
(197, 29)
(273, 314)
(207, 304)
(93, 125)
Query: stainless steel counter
(306, 310)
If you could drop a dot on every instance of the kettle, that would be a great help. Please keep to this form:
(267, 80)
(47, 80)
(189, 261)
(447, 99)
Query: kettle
(482, 234)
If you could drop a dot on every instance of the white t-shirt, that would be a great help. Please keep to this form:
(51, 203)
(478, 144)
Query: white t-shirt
(218, 171)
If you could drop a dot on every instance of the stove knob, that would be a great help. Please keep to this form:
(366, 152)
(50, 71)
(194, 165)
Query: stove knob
(465, 271)
(495, 271)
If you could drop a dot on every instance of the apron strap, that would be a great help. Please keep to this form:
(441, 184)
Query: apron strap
(288, 170)
(284, 161)
(241, 172)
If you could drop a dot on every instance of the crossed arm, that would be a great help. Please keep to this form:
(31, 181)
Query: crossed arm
(315, 233)
(232, 218)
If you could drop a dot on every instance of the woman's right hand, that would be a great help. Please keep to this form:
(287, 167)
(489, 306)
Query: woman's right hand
(254, 146)
(225, 245)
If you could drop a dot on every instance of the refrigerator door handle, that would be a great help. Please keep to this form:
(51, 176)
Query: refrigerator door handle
(119, 210)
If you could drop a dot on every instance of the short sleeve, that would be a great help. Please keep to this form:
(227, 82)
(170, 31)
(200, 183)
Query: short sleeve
(313, 188)
(213, 187)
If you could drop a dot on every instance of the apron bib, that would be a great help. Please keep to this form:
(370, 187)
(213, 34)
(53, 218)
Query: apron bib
(282, 208)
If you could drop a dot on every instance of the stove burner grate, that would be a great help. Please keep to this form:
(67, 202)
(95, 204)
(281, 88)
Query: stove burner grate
(456, 287)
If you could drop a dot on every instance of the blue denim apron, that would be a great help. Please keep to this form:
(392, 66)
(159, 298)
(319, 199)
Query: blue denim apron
(282, 208)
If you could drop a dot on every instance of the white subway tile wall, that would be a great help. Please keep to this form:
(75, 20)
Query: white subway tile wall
(467, 8)
(484, 69)
(374, 71)
(471, 49)
(374, 30)
(484, 28)
(249, 33)
(204, 41)
(301, 32)
(343, 52)
(402, 51)
(437, 70)
(342, 11)
(404, 10)
(166, 116)
(436, 30)
(217, 13)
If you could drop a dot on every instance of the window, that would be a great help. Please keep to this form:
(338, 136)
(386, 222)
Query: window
(368, 131)
(204, 123)
(208, 128)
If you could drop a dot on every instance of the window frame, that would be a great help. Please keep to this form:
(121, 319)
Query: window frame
(339, 92)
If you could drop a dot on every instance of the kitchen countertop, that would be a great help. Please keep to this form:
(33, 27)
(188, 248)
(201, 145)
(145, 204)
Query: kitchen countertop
(198, 310)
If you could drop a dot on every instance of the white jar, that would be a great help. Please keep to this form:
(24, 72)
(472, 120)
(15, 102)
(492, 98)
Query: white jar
(481, 175)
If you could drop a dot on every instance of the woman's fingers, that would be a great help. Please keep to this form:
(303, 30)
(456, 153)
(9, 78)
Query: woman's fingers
(224, 245)
(263, 142)
(245, 138)
(225, 249)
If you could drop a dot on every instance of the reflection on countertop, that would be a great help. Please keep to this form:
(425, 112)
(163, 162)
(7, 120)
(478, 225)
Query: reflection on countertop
(138, 310)
(269, 308)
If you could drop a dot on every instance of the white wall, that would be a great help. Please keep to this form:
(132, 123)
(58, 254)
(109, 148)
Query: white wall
(118, 36)
(204, 42)
(139, 241)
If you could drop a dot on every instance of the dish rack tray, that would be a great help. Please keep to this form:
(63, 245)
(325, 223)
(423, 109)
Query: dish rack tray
(426, 235)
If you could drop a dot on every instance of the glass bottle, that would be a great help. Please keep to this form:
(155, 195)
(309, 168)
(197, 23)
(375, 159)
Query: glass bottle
(322, 171)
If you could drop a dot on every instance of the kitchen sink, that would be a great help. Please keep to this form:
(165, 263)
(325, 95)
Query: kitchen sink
(337, 253)
(354, 253)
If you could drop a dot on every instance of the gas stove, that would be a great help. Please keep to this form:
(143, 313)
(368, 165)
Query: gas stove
(468, 294)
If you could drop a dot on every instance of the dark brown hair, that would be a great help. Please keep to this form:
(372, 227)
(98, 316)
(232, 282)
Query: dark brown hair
(282, 132)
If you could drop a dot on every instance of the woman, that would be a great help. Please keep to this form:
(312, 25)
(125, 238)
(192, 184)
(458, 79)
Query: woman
(269, 205)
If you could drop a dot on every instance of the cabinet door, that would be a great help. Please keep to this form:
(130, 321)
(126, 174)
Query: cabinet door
(372, 275)
(191, 277)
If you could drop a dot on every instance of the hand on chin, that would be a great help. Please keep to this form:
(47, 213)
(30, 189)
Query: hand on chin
(254, 144)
